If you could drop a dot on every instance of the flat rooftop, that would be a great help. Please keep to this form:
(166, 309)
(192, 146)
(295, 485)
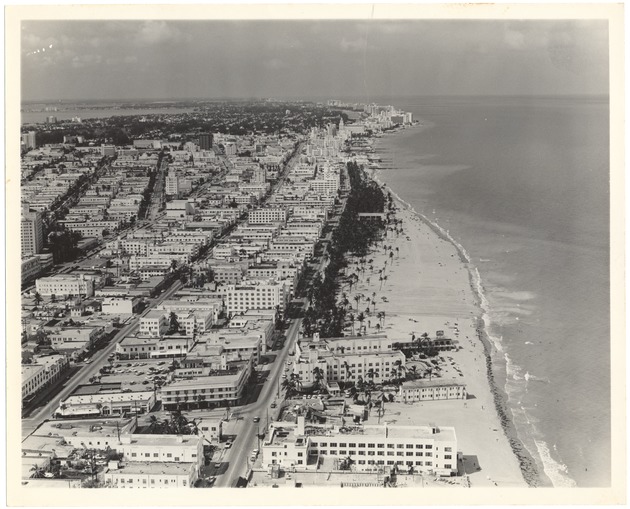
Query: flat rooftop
(152, 468)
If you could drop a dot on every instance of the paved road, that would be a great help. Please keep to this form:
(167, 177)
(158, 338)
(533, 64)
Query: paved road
(235, 459)
(86, 371)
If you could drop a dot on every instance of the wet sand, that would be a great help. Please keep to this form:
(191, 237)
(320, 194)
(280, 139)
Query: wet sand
(428, 288)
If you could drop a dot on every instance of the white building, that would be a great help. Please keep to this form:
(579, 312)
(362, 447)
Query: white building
(65, 285)
(427, 449)
(41, 372)
(267, 215)
(151, 475)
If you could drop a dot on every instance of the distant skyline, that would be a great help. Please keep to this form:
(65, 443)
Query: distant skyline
(153, 60)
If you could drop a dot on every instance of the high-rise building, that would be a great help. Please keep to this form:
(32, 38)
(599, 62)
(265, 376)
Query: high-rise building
(51, 119)
(29, 140)
(205, 141)
(32, 232)
(259, 176)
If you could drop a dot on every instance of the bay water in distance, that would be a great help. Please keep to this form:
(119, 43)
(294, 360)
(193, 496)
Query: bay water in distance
(522, 183)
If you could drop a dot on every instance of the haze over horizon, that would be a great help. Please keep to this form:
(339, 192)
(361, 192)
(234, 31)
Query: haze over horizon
(155, 60)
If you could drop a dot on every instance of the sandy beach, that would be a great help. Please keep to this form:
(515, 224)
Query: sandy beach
(428, 288)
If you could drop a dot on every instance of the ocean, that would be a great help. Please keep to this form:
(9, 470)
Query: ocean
(522, 183)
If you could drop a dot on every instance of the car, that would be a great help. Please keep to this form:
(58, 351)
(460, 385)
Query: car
(228, 445)
(88, 361)
(217, 465)
(256, 419)
(273, 405)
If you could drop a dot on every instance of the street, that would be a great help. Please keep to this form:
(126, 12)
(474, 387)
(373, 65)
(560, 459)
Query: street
(235, 459)
(86, 371)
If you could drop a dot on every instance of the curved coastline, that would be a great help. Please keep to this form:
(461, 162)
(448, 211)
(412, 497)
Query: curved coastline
(527, 464)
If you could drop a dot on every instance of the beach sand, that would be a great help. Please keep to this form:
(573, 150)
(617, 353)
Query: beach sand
(427, 289)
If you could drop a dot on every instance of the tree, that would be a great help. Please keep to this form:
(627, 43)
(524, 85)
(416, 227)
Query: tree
(38, 300)
(358, 298)
(361, 319)
(173, 323)
(318, 375)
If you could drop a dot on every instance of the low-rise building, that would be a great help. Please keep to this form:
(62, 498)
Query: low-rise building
(65, 285)
(151, 475)
(371, 448)
(427, 390)
(105, 399)
(42, 372)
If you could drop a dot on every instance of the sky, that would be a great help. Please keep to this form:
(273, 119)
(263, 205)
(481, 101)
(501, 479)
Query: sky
(153, 59)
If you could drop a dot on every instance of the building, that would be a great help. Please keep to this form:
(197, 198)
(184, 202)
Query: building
(29, 140)
(75, 340)
(267, 215)
(205, 141)
(32, 234)
(367, 358)
(254, 295)
(65, 285)
(222, 388)
(155, 323)
(162, 449)
(371, 448)
(151, 475)
(42, 372)
(96, 400)
(427, 390)
(139, 347)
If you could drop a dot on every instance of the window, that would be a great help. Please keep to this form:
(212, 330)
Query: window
(361, 453)
(400, 446)
(390, 446)
(155, 454)
(448, 449)
(169, 455)
(400, 453)
(429, 454)
(447, 465)
(429, 446)
(133, 454)
(418, 446)
(447, 456)
(380, 453)
(390, 453)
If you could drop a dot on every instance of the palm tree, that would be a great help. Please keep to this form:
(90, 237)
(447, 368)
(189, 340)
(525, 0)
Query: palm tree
(378, 328)
(381, 317)
(361, 319)
(347, 369)
(370, 375)
(318, 375)
(154, 424)
(174, 323)
(351, 316)
(38, 299)
(358, 298)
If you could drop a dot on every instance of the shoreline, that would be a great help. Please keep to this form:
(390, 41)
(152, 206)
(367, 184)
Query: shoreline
(527, 464)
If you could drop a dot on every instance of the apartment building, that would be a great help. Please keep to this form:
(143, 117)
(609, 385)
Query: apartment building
(223, 387)
(32, 232)
(65, 285)
(267, 215)
(154, 324)
(253, 295)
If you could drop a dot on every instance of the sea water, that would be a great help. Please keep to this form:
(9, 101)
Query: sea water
(523, 185)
